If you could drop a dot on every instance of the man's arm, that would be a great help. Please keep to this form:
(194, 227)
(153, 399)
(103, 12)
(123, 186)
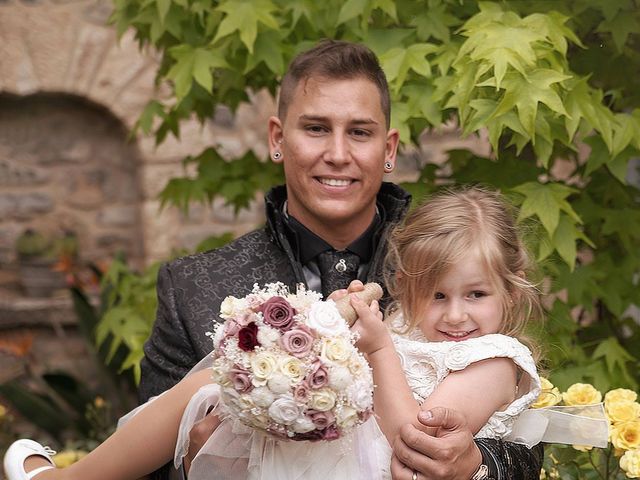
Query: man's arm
(168, 353)
(453, 453)
(506, 460)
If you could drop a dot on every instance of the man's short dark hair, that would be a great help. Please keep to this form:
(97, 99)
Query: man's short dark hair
(332, 59)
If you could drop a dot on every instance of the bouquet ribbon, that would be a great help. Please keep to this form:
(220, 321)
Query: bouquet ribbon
(584, 425)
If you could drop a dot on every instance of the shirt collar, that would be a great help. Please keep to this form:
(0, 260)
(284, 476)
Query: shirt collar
(308, 245)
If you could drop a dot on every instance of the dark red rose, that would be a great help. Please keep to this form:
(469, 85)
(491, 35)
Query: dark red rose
(248, 337)
(312, 436)
(278, 313)
(330, 433)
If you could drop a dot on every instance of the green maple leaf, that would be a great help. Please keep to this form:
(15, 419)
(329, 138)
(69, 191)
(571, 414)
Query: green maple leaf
(546, 201)
(625, 129)
(400, 114)
(193, 63)
(387, 6)
(620, 27)
(351, 9)
(268, 50)
(434, 22)
(244, 16)
(397, 62)
(421, 102)
(582, 101)
(524, 93)
(613, 354)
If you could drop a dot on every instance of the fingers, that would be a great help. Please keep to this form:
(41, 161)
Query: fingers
(355, 286)
(443, 418)
(338, 294)
(199, 435)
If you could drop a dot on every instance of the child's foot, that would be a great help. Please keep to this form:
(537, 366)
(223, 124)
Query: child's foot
(25, 459)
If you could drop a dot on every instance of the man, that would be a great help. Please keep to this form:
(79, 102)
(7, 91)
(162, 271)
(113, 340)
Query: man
(331, 219)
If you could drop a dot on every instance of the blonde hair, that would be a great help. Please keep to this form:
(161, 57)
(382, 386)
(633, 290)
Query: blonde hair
(437, 234)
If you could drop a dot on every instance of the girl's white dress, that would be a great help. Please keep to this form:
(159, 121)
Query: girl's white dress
(236, 452)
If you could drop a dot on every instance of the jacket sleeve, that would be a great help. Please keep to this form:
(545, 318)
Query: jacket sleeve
(511, 461)
(168, 353)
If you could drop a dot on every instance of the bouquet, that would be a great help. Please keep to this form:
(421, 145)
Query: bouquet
(287, 365)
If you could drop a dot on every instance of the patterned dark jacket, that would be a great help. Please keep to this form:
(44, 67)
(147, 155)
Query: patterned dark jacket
(191, 289)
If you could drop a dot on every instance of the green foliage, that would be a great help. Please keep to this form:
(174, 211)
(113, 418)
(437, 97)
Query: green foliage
(553, 85)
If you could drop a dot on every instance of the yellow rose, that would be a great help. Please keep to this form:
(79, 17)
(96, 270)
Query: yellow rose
(622, 411)
(292, 368)
(263, 365)
(336, 349)
(581, 394)
(620, 395)
(630, 463)
(3, 411)
(582, 448)
(626, 435)
(322, 400)
(67, 457)
(549, 395)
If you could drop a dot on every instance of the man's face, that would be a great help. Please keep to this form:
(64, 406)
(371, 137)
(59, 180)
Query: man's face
(334, 143)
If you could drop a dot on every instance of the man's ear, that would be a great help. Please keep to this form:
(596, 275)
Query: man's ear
(391, 149)
(275, 139)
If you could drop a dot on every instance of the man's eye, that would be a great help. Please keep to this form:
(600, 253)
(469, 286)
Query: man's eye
(358, 132)
(315, 128)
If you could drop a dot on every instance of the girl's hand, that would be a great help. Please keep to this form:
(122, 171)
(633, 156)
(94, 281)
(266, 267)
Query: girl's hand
(374, 335)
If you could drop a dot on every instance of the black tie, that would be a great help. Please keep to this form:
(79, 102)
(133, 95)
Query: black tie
(337, 270)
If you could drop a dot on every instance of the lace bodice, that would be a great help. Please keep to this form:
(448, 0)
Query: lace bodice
(426, 364)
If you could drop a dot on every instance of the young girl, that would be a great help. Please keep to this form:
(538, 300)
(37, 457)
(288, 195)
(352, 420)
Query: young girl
(458, 274)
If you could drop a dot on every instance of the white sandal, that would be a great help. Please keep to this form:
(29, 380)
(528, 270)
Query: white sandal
(18, 452)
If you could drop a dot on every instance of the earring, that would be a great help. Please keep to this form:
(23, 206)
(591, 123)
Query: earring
(276, 155)
(388, 167)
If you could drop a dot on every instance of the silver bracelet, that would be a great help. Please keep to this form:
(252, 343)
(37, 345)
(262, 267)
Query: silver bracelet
(482, 473)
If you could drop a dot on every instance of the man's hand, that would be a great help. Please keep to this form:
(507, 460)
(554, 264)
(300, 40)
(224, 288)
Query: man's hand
(450, 454)
(198, 436)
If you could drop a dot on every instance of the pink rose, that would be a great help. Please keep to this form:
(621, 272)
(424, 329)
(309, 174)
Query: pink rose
(318, 376)
(301, 392)
(248, 337)
(330, 433)
(240, 379)
(298, 341)
(321, 419)
(278, 313)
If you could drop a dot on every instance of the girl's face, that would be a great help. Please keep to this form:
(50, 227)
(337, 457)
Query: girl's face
(465, 305)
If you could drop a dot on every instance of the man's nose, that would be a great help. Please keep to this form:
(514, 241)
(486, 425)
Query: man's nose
(338, 149)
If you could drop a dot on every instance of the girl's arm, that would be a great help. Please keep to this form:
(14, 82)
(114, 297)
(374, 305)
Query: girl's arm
(144, 443)
(477, 391)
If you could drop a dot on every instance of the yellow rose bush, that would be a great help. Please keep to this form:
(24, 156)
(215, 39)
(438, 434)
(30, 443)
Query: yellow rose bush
(620, 460)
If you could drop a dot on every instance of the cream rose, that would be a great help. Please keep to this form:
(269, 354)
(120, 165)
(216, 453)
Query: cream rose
(347, 417)
(626, 435)
(291, 368)
(336, 349)
(263, 365)
(361, 395)
(303, 425)
(326, 320)
(322, 400)
(630, 463)
(581, 394)
(549, 395)
(284, 410)
(622, 411)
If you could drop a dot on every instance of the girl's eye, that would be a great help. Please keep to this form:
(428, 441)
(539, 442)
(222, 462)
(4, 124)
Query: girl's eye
(478, 294)
(438, 296)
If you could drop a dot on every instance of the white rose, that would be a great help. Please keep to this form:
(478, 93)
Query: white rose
(303, 425)
(458, 357)
(347, 417)
(267, 336)
(292, 368)
(360, 395)
(326, 320)
(226, 307)
(336, 349)
(279, 383)
(322, 400)
(340, 378)
(263, 365)
(218, 336)
(284, 410)
(262, 396)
